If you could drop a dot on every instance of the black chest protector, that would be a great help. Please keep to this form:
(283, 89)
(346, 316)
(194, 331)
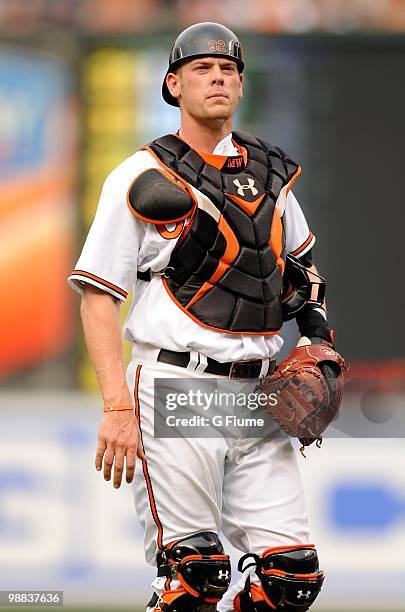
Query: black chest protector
(226, 268)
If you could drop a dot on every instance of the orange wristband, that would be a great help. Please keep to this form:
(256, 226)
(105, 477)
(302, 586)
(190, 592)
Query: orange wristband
(111, 407)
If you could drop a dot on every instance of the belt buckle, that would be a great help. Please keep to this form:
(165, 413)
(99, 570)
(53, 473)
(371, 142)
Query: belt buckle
(245, 369)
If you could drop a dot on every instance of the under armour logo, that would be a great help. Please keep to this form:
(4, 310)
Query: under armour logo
(250, 185)
(307, 595)
(223, 575)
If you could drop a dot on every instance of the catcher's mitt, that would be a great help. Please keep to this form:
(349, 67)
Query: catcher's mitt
(309, 387)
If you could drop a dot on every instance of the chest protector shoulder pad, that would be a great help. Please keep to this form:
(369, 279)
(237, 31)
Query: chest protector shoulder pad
(227, 266)
(158, 197)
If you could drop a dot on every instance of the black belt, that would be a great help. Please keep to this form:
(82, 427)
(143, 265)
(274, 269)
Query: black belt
(145, 276)
(248, 368)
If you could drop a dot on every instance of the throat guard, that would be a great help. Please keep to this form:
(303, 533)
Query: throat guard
(227, 266)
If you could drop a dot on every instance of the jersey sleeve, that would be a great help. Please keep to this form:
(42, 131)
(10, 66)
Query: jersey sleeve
(109, 256)
(299, 238)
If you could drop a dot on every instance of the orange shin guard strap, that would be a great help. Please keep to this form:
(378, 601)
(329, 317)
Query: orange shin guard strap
(257, 595)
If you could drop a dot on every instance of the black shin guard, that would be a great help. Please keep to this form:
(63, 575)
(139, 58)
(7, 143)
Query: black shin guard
(198, 562)
(290, 580)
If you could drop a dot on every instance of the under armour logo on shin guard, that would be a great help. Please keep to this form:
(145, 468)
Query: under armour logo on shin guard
(307, 595)
(223, 575)
(242, 188)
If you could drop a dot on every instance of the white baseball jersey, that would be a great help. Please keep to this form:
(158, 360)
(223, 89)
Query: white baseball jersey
(119, 244)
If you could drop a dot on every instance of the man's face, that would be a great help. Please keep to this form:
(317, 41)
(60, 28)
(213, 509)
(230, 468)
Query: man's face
(207, 87)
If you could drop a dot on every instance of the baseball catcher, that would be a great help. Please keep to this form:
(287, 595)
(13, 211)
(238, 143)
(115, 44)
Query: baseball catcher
(204, 226)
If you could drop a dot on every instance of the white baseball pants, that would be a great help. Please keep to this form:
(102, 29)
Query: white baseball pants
(248, 489)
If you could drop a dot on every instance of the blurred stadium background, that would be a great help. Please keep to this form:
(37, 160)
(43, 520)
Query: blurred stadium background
(80, 91)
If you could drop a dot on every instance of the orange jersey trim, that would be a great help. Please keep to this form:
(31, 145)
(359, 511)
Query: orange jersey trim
(148, 481)
(213, 160)
(100, 280)
(303, 246)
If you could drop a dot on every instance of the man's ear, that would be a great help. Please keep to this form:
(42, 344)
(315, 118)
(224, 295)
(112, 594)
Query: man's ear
(241, 80)
(173, 84)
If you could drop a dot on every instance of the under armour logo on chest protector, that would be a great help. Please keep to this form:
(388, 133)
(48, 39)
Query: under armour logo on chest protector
(250, 186)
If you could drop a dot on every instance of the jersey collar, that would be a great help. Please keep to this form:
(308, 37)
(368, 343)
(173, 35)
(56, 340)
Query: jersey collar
(227, 156)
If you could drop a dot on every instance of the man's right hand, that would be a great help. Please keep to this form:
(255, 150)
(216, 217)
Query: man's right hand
(119, 437)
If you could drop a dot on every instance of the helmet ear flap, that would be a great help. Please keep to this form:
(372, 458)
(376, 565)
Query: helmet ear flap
(300, 287)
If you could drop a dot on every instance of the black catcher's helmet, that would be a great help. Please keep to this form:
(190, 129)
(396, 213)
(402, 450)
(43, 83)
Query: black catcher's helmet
(202, 40)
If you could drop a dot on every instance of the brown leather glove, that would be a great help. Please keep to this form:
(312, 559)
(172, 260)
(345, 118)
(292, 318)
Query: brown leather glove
(309, 387)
